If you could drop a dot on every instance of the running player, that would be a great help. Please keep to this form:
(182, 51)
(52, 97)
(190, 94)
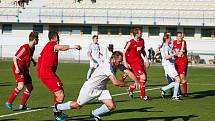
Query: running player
(47, 66)
(133, 59)
(96, 87)
(94, 54)
(21, 66)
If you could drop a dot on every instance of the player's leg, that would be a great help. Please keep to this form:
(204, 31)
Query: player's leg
(176, 87)
(142, 86)
(93, 65)
(14, 93)
(108, 105)
(124, 76)
(25, 97)
(27, 92)
(183, 72)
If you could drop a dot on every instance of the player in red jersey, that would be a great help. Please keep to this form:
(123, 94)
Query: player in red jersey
(47, 66)
(133, 59)
(21, 66)
(181, 61)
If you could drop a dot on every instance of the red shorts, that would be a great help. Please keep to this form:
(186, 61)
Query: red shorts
(23, 77)
(53, 83)
(138, 69)
(181, 69)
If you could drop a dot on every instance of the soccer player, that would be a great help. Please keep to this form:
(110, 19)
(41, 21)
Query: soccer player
(132, 59)
(96, 87)
(94, 54)
(47, 66)
(21, 66)
(181, 60)
(168, 64)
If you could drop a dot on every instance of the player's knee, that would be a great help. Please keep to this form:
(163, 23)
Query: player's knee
(111, 106)
(143, 77)
(75, 105)
(20, 86)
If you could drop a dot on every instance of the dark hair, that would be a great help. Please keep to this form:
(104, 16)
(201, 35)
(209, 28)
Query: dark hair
(116, 54)
(135, 31)
(178, 33)
(33, 35)
(94, 36)
(52, 34)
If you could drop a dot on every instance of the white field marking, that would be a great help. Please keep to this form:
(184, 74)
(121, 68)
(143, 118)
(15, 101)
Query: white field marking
(18, 113)
(13, 114)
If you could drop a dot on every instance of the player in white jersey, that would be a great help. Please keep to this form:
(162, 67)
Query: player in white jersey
(94, 54)
(168, 64)
(96, 87)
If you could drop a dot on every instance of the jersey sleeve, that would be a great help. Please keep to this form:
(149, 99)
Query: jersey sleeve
(21, 52)
(90, 48)
(108, 70)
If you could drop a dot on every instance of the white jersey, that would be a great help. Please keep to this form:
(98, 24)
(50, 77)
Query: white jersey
(100, 76)
(167, 50)
(94, 49)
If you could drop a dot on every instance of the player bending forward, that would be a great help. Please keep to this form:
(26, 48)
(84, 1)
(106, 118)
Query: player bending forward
(96, 87)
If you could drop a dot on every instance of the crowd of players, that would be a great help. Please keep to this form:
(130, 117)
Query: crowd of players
(130, 62)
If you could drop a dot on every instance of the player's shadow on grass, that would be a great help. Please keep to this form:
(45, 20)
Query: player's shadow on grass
(5, 84)
(168, 118)
(99, 102)
(155, 85)
(11, 119)
(145, 109)
(202, 94)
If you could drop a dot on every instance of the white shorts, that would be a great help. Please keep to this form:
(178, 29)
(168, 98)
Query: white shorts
(170, 70)
(95, 63)
(87, 94)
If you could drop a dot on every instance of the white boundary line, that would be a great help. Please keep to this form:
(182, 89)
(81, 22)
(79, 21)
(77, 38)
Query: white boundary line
(23, 112)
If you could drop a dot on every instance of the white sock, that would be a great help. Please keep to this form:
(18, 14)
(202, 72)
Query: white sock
(176, 87)
(64, 106)
(171, 85)
(99, 111)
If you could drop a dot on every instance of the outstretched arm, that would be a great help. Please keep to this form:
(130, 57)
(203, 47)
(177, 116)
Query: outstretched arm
(117, 82)
(66, 47)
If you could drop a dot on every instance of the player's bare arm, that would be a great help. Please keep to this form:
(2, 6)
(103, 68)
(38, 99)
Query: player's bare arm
(124, 56)
(117, 82)
(66, 47)
(15, 58)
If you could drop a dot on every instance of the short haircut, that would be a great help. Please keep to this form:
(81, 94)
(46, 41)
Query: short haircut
(178, 33)
(116, 54)
(135, 31)
(33, 35)
(52, 35)
(94, 36)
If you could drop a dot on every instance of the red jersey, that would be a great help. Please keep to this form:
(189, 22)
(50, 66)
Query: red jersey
(180, 46)
(134, 51)
(25, 56)
(48, 60)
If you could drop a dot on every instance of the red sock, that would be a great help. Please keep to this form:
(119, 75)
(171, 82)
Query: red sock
(142, 89)
(124, 76)
(13, 95)
(132, 88)
(25, 97)
(184, 87)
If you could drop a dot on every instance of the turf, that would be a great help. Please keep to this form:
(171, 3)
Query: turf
(199, 106)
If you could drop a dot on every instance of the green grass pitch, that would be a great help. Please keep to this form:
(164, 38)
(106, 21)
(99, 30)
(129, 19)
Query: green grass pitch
(199, 106)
